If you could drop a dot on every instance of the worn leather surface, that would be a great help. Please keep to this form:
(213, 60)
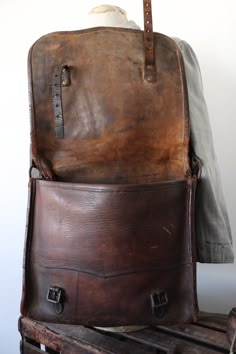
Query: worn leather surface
(118, 128)
(110, 247)
(112, 223)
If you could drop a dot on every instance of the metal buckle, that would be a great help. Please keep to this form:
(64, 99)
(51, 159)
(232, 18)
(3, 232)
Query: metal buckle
(55, 295)
(159, 301)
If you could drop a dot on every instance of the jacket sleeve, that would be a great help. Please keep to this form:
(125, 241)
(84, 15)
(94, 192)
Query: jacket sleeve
(213, 232)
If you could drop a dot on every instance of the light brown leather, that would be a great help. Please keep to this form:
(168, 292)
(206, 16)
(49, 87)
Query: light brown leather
(117, 126)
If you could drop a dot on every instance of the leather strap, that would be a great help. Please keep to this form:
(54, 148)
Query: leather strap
(61, 77)
(150, 70)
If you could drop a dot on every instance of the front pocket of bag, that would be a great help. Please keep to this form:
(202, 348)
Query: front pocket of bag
(106, 232)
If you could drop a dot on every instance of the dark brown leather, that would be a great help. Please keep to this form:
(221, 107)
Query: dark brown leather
(110, 248)
(61, 78)
(57, 101)
(150, 67)
(110, 237)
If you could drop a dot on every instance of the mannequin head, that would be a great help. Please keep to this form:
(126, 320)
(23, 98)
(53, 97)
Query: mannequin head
(109, 16)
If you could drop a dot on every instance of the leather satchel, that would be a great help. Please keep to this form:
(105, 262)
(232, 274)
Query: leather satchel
(110, 229)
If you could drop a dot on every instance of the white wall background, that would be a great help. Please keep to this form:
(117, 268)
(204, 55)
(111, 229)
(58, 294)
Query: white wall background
(209, 26)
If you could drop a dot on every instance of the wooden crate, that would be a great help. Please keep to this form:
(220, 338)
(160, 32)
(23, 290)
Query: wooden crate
(205, 337)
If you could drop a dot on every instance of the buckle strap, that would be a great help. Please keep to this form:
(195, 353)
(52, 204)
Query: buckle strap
(150, 70)
(159, 303)
(61, 78)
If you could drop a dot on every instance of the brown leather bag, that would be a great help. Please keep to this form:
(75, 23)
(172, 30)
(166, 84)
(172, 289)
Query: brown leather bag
(110, 236)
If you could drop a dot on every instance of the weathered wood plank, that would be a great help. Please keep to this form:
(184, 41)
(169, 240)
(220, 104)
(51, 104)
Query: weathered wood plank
(27, 348)
(198, 334)
(58, 342)
(102, 339)
(63, 338)
(205, 337)
(177, 344)
(159, 347)
(215, 321)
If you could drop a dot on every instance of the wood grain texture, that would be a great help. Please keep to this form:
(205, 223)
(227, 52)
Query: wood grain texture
(27, 348)
(151, 340)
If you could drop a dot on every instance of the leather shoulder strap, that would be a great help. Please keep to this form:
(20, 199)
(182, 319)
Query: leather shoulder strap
(150, 70)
